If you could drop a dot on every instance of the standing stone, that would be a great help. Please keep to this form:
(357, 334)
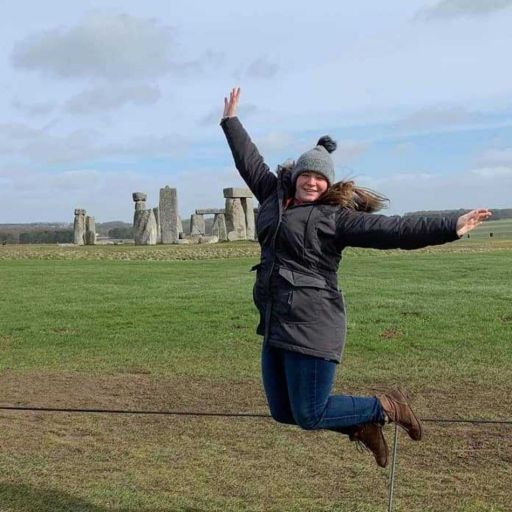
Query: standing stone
(79, 227)
(156, 211)
(249, 217)
(219, 227)
(144, 228)
(90, 231)
(197, 225)
(144, 221)
(239, 213)
(169, 215)
(235, 219)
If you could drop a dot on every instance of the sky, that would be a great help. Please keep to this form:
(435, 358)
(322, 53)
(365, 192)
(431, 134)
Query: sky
(102, 98)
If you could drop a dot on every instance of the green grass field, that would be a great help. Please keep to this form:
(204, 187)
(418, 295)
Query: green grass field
(172, 328)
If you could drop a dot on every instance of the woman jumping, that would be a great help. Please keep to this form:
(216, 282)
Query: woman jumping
(304, 222)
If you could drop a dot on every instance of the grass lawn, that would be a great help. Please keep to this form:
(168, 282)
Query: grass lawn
(151, 328)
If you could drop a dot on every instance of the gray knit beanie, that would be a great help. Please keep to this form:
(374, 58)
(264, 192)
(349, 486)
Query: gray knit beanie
(317, 160)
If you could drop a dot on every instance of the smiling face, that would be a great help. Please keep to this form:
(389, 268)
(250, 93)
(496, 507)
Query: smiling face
(310, 186)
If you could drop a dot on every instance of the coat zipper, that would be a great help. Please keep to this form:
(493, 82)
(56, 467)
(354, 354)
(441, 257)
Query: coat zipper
(268, 310)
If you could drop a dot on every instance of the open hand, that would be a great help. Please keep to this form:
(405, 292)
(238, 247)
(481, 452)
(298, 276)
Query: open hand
(469, 221)
(231, 105)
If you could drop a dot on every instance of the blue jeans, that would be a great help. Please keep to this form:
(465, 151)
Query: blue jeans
(298, 390)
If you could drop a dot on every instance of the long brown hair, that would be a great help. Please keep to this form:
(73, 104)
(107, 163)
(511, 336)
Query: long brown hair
(349, 195)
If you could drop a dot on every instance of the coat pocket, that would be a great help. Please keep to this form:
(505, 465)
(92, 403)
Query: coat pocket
(300, 298)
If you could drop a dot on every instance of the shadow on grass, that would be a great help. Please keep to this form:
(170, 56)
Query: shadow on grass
(22, 498)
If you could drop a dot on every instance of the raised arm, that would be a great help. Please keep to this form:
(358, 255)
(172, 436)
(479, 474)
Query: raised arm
(248, 160)
(359, 229)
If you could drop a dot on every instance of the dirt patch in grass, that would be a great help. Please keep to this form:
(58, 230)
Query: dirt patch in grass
(183, 463)
(461, 399)
(5, 341)
(391, 333)
(410, 313)
(130, 391)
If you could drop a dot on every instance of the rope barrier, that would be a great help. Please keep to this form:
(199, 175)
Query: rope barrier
(456, 420)
(29, 408)
(19, 408)
(134, 411)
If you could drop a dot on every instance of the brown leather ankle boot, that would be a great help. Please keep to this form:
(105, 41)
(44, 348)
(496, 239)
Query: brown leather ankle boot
(399, 411)
(370, 436)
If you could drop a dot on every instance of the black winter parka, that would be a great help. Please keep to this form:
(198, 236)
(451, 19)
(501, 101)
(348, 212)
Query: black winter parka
(296, 289)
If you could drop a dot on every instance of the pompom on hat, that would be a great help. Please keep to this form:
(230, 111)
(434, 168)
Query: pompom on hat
(317, 160)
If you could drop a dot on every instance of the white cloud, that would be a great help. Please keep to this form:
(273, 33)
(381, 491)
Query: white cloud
(435, 116)
(408, 177)
(13, 136)
(262, 67)
(102, 46)
(33, 109)
(112, 47)
(42, 147)
(75, 146)
(403, 147)
(107, 195)
(16, 131)
(412, 191)
(72, 180)
(274, 141)
(493, 172)
(496, 157)
(348, 150)
(110, 97)
(463, 8)
(149, 146)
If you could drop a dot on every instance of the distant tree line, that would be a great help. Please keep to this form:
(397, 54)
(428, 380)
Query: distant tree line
(9, 238)
(47, 237)
(37, 234)
(124, 232)
(61, 236)
(497, 214)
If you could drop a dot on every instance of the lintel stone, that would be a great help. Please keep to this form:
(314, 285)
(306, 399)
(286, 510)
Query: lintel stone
(237, 192)
(210, 211)
(139, 196)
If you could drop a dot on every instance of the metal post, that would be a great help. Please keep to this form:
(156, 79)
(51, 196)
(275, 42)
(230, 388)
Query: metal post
(393, 466)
